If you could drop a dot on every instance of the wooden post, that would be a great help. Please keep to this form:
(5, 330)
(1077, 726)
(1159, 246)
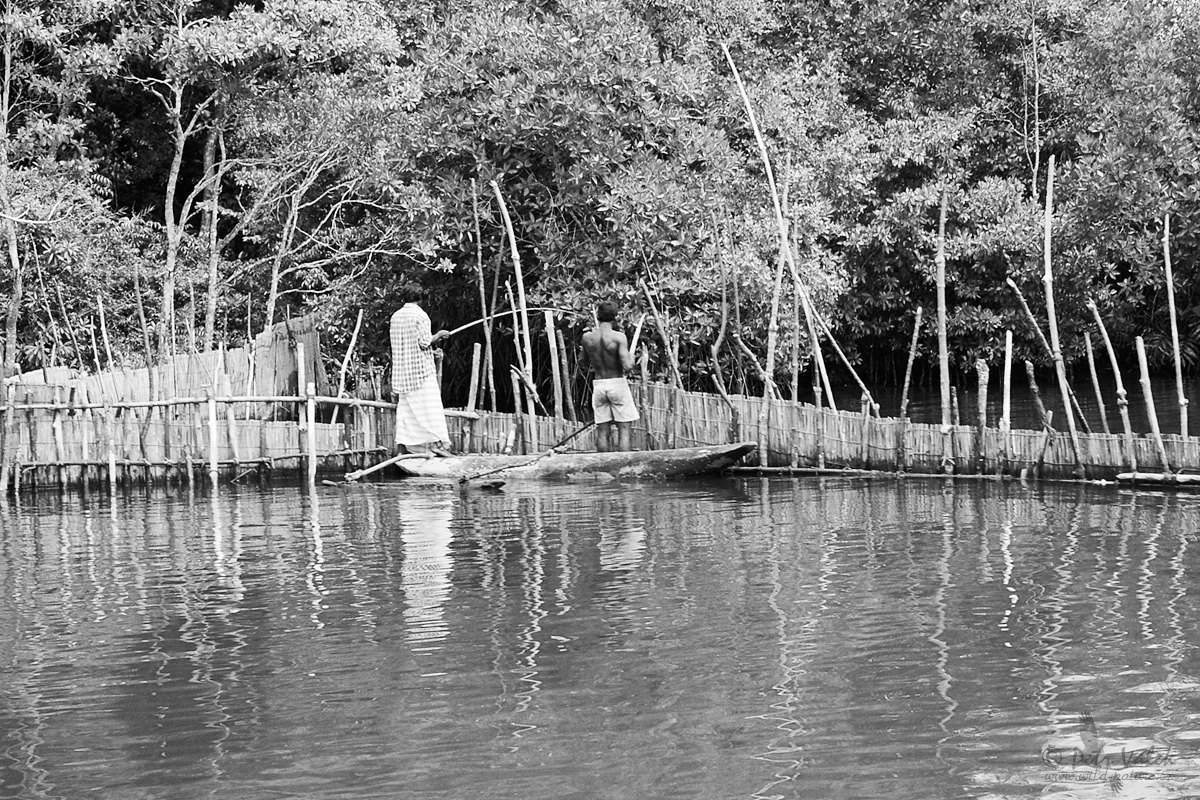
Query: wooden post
(1060, 367)
(310, 391)
(1122, 398)
(231, 421)
(1091, 359)
(56, 428)
(341, 390)
(213, 462)
(301, 382)
(981, 371)
(564, 367)
(1150, 412)
(473, 391)
(1006, 404)
(110, 422)
(555, 373)
(1183, 401)
(519, 422)
(9, 449)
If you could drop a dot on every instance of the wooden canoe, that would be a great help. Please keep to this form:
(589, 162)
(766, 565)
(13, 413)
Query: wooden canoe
(679, 462)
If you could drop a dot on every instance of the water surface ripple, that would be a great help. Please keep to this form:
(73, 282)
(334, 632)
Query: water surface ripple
(735, 638)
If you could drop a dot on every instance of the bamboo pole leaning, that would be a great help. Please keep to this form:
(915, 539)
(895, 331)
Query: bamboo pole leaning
(1006, 404)
(1155, 431)
(1122, 397)
(1060, 367)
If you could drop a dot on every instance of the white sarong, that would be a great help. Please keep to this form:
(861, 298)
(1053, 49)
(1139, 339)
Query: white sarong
(420, 417)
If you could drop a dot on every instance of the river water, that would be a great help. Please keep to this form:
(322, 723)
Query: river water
(732, 638)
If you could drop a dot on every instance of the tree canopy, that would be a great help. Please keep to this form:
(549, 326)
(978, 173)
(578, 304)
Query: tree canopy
(213, 166)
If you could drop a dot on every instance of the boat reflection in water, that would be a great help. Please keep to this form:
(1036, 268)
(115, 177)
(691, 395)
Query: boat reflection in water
(702, 639)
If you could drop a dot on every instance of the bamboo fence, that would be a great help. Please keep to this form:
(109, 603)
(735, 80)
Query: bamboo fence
(51, 438)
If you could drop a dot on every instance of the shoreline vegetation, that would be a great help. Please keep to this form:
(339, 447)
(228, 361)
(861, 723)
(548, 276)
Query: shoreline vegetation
(787, 199)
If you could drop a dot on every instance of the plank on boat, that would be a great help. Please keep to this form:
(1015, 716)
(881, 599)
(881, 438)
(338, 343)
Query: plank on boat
(683, 461)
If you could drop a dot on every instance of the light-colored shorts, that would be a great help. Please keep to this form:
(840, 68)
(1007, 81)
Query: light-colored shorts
(612, 401)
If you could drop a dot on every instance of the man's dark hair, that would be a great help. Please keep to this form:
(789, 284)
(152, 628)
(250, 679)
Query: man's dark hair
(410, 293)
(606, 311)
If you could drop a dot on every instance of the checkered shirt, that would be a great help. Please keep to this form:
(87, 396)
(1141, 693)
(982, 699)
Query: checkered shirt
(412, 357)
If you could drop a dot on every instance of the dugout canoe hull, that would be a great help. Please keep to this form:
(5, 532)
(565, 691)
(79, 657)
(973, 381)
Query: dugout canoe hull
(680, 462)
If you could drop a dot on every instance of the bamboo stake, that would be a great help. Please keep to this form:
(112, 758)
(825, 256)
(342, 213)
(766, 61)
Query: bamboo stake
(1183, 401)
(981, 371)
(1006, 403)
(301, 382)
(311, 391)
(1155, 431)
(110, 422)
(555, 374)
(912, 355)
(473, 391)
(520, 418)
(526, 339)
(1060, 366)
(56, 428)
(231, 420)
(1091, 359)
(1122, 397)
(943, 346)
(212, 437)
(796, 311)
(341, 390)
(489, 362)
(8, 451)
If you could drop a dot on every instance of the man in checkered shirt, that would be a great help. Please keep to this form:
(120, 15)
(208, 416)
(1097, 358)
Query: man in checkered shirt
(420, 417)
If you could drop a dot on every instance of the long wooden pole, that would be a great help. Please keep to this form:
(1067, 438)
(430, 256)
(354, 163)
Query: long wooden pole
(780, 220)
(311, 390)
(912, 355)
(1155, 431)
(943, 345)
(1006, 402)
(526, 339)
(555, 375)
(1122, 397)
(1060, 366)
(1183, 401)
(489, 354)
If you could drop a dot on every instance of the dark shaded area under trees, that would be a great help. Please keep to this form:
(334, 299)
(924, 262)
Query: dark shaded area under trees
(234, 163)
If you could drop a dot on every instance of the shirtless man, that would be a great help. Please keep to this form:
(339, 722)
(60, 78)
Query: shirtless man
(608, 352)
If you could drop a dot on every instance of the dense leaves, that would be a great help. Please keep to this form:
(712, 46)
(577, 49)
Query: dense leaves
(273, 157)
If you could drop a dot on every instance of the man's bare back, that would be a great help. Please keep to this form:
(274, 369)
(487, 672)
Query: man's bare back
(607, 351)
